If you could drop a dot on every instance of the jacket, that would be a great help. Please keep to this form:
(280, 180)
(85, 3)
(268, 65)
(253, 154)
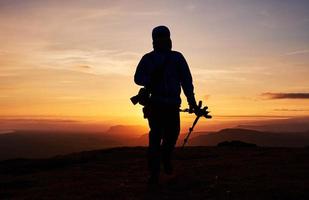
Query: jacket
(165, 89)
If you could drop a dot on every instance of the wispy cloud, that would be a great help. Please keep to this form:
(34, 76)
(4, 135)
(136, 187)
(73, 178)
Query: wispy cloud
(271, 95)
(291, 110)
(206, 97)
(116, 12)
(191, 7)
(303, 51)
(84, 67)
(95, 61)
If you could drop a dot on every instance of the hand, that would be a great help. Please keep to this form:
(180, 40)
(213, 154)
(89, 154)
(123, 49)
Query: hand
(194, 109)
(197, 109)
(191, 108)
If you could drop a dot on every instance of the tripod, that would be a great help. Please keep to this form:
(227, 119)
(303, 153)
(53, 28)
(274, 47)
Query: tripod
(199, 112)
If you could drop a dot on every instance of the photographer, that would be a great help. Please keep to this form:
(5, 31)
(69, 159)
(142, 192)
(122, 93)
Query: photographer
(163, 73)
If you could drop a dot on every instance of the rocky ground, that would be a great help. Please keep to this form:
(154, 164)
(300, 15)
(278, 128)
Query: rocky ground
(201, 173)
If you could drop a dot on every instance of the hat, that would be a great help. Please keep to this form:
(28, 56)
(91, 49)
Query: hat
(160, 32)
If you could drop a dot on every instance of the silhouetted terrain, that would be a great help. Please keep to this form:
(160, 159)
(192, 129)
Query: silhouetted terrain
(235, 143)
(288, 139)
(34, 144)
(291, 124)
(40, 144)
(201, 173)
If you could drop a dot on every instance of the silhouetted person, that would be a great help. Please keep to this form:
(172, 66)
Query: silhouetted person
(163, 73)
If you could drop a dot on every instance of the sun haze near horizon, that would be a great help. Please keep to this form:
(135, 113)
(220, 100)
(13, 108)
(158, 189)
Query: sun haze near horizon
(76, 59)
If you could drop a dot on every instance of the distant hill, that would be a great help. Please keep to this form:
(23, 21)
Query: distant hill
(291, 124)
(297, 139)
(39, 144)
(35, 144)
(126, 131)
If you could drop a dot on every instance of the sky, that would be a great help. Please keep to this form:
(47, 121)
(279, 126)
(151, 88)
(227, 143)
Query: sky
(75, 60)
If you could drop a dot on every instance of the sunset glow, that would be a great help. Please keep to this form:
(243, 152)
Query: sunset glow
(76, 59)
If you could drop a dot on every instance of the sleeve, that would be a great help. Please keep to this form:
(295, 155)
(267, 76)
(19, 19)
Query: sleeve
(141, 76)
(186, 81)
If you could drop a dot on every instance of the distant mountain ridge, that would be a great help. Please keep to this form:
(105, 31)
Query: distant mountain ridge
(132, 131)
(293, 124)
(296, 139)
(36, 144)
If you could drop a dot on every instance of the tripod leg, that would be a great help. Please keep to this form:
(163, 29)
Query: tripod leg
(190, 131)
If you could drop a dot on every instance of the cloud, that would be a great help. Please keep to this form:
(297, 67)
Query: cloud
(190, 7)
(84, 67)
(304, 51)
(291, 110)
(270, 95)
(206, 97)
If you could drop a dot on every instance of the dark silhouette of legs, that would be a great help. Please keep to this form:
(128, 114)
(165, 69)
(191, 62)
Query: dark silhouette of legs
(169, 139)
(164, 126)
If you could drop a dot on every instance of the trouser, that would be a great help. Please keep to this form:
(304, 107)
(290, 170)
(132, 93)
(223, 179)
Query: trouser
(164, 124)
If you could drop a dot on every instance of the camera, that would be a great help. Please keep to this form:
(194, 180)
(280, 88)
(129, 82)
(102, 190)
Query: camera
(142, 97)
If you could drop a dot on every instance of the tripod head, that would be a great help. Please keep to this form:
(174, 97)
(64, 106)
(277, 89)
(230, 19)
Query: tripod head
(199, 111)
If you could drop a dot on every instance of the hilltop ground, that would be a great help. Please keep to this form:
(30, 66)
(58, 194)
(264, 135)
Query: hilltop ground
(201, 173)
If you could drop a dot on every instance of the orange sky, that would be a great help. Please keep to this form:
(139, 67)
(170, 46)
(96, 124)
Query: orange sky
(76, 59)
